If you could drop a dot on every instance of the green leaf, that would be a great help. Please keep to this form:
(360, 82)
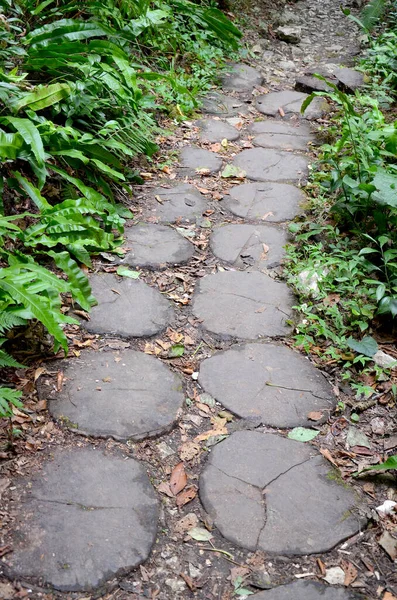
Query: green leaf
(8, 398)
(44, 96)
(30, 135)
(389, 464)
(367, 346)
(200, 534)
(386, 185)
(32, 192)
(65, 29)
(302, 434)
(233, 171)
(176, 350)
(79, 284)
(126, 272)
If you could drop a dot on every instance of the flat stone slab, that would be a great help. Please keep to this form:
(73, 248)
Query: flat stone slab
(218, 104)
(182, 201)
(306, 590)
(281, 135)
(265, 492)
(193, 160)
(349, 80)
(246, 305)
(155, 246)
(214, 130)
(127, 307)
(268, 381)
(263, 164)
(85, 518)
(243, 246)
(273, 202)
(290, 102)
(241, 78)
(125, 395)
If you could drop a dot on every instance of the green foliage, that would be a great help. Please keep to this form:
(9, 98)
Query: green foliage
(389, 465)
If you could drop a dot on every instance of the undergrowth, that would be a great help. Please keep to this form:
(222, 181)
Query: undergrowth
(82, 86)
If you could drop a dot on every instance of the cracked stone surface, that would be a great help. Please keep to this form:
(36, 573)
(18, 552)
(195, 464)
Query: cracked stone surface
(306, 590)
(155, 246)
(192, 160)
(281, 135)
(245, 305)
(273, 202)
(83, 519)
(127, 307)
(116, 394)
(268, 381)
(264, 164)
(241, 78)
(243, 246)
(215, 130)
(290, 102)
(269, 493)
(182, 201)
(218, 104)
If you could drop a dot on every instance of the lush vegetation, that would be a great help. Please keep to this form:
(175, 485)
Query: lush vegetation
(82, 87)
(347, 248)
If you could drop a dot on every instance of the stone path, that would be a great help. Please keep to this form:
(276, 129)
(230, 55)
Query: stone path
(91, 513)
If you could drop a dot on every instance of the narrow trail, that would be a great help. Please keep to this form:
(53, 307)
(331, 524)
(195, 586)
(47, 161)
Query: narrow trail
(173, 409)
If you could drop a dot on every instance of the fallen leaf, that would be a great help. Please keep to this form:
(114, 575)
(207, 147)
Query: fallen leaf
(38, 372)
(60, 378)
(389, 596)
(302, 434)
(200, 534)
(189, 582)
(350, 572)
(334, 576)
(233, 171)
(315, 415)
(186, 496)
(321, 566)
(215, 147)
(203, 171)
(175, 336)
(187, 522)
(178, 479)
(281, 112)
(164, 488)
(125, 272)
(217, 196)
(389, 544)
(176, 350)
(189, 450)
(236, 572)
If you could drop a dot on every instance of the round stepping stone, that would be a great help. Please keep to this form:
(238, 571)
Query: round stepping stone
(280, 135)
(245, 305)
(290, 102)
(262, 164)
(125, 395)
(273, 202)
(85, 518)
(213, 130)
(127, 307)
(195, 160)
(269, 493)
(245, 246)
(241, 78)
(155, 246)
(268, 381)
(223, 106)
(305, 590)
(180, 202)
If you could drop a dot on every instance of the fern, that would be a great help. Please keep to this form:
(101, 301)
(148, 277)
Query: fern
(8, 399)
(372, 13)
(8, 320)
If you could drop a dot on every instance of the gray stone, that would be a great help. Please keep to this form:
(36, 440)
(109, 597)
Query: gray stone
(183, 202)
(245, 305)
(85, 518)
(305, 590)
(127, 307)
(215, 130)
(349, 80)
(291, 35)
(273, 202)
(193, 160)
(241, 78)
(124, 395)
(384, 360)
(281, 135)
(290, 102)
(268, 381)
(265, 492)
(259, 246)
(155, 246)
(264, 164)
(223, 106)
(308, 84)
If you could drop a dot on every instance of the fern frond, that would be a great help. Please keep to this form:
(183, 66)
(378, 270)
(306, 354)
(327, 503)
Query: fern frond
(9, 398)
(372, 13)
(8, 361)
(8, 320)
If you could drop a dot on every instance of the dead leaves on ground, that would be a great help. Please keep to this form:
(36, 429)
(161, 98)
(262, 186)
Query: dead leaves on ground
(177, 486)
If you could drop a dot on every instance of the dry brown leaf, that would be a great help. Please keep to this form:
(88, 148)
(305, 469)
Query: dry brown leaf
(350, 572)
(189, 341)
(203, 171)
(187, 522)
(189, 582)
(369, 488)
(389, 596)
(327, 454)
(178, 479)
(186, 496)
(219, 429)
(217, 196)
(321, 566)
(60, 378)
(189, 450)
(236, 572)
(281, 112)
(151, 349)
(215, 147)
(315, 415)
(164, 488)
(38, 372)
(175, 336)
